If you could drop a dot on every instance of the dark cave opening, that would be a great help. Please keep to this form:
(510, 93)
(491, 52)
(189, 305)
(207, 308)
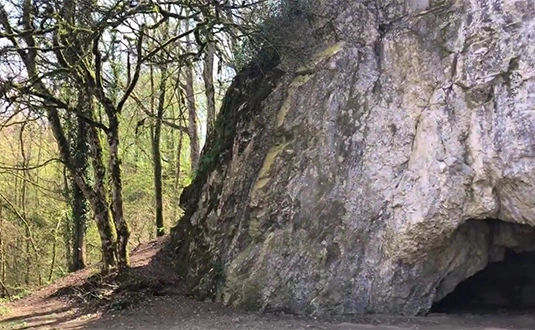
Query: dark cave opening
(502, 286)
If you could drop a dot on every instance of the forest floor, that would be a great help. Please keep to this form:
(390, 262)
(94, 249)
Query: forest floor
(151, 297)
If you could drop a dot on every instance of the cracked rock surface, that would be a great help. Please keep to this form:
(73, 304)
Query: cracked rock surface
(359, 180)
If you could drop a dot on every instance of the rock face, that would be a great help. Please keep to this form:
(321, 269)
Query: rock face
(360, 179)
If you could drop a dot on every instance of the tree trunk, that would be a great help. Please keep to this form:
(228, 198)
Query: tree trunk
(68, 183)
(78, 200)
(96, 195)
(5, 291)
(193, 129)
(79, 218)
(54, 248)
(22, 203)
(99, 202)
(192, 119)
(157, 159)
(178, 160)
(114, 168)
(76, 12)
(209, 90)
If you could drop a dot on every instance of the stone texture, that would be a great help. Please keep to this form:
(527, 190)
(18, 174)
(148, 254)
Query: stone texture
(357, 179)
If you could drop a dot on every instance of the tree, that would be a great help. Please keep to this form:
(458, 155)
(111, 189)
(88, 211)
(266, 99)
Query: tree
(76, 64)
(52, 28)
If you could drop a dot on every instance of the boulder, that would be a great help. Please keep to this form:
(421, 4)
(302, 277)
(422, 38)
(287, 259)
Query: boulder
(357, 170)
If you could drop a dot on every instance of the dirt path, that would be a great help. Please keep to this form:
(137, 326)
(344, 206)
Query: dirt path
(181, 313)
(174, 311)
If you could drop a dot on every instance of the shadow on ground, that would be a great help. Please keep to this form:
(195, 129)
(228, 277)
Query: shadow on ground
(49, 317)
(151, 297)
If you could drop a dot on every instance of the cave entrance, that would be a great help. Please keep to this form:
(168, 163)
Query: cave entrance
(503, 286)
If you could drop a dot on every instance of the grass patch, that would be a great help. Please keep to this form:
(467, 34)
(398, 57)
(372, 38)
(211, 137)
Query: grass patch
(4, 309)
(13, 325)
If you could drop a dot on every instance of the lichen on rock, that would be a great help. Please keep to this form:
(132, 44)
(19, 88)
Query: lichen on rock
(360, 180)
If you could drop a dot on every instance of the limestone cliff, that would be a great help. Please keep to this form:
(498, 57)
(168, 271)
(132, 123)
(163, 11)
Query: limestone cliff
(359, 180)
